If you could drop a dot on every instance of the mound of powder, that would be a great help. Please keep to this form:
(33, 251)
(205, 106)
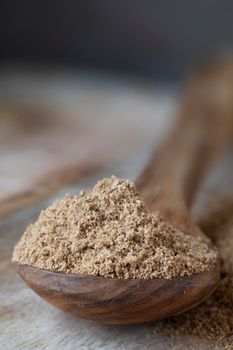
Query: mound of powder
(109, 232)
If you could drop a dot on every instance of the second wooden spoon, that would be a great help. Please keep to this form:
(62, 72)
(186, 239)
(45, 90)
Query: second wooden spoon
(167, 185)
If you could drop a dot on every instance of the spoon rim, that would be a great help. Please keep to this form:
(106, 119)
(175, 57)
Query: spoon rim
(215, 270)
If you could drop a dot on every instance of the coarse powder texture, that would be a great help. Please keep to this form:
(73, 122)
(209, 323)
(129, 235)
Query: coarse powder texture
(212, 320)
(108, 232)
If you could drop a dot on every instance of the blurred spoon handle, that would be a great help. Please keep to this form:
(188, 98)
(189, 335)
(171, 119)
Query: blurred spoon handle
(202, 132)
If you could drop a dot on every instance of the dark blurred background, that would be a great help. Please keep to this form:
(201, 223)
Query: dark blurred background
(158, 38)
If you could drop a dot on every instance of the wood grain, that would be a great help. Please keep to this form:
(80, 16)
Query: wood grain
(112, 301)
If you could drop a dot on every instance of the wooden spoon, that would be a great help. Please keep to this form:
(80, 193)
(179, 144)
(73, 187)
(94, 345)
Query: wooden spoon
(168, 185)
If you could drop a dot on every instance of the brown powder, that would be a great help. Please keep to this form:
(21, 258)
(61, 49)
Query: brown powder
(108, 232)
(212, 320)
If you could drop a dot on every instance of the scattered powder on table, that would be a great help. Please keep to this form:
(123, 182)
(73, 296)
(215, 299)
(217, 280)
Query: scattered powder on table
(212, 320)
(108, 232)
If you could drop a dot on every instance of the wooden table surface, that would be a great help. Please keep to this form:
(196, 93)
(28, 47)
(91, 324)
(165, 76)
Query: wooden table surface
(112, 126)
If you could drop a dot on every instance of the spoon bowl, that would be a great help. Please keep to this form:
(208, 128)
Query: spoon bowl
(119, 301)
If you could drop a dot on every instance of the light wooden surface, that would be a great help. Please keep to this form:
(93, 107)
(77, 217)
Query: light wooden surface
(57, 127)
(26, 321)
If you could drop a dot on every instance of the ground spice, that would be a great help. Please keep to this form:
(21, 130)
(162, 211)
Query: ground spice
(212, 320)
(108, 232)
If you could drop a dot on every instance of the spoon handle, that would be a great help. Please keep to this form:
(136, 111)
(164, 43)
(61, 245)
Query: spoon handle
(202, 132)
